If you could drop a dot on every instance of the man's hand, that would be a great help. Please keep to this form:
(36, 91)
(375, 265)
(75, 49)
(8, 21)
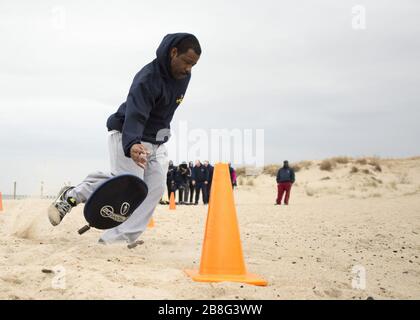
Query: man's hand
(193, 182)
(205, 182)
(139, 153)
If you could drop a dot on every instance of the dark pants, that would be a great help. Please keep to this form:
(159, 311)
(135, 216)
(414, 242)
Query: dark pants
(182, 192)
(281, 188)
(203, 187)
(208, 187)
(192, 188)
(169, 186)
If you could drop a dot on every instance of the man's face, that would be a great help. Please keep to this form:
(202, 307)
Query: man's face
(182, 64)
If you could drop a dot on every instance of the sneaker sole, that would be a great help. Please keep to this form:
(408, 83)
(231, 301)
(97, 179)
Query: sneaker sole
(53, 215)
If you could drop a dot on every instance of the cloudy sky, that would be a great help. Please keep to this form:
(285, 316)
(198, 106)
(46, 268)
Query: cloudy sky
(321, 78)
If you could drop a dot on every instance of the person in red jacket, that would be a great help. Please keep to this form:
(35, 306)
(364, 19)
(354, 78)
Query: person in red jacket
(285, 179)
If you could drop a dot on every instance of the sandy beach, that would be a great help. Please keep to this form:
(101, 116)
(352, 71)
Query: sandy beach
(366, 218)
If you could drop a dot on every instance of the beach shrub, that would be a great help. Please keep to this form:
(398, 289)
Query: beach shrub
(361, 161)
(326, 165)
(340, 160)
(250, 182)
(354, 170)
(271, 169)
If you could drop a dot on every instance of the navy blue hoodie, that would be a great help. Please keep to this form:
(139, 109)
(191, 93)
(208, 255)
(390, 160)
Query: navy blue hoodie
(152, 100)
(200, 174)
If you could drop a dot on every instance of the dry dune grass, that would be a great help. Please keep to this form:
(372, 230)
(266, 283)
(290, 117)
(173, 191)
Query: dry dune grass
(361, 161)
(240, 171)
(365, 173)
(363, 177)
(246, 181)
(305, 164)
(250, 182)
(332, 163)
(375, 163)
(341, 159)
(271, 169)
(354, 170)
(327, 165)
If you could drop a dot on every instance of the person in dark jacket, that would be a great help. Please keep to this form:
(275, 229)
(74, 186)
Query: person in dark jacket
(200, 177)
(285, 179)
(137, 135)
(210, 170)
(156, 92)
(170, 178)
(180, 182)
(190, 183)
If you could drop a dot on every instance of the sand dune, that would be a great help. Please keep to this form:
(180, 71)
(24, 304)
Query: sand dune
(336, 220)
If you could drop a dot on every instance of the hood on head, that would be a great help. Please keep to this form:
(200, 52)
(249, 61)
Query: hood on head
(162, 52)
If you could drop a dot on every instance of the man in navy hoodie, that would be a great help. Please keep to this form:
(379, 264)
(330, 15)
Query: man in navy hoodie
(210, 170)
(200, 179)
(137, 133)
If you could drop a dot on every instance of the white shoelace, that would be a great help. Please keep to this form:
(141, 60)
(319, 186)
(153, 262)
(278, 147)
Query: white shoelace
(63, 207)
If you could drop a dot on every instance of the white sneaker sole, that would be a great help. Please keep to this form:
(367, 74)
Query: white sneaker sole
(54, 215)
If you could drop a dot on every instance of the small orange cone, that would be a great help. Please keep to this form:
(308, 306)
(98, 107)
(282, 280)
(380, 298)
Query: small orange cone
(172, 205)
(151, 223)
(1, 203)
(221, 256)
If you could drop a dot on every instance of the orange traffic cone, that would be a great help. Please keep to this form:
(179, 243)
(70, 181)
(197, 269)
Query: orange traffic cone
(1, 203)
(151, 223)
(221, 256)
(172, 205)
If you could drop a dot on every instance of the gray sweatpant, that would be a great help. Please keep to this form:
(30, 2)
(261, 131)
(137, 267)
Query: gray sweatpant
(154, 175)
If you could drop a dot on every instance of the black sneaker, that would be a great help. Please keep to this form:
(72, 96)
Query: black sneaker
(61, 206)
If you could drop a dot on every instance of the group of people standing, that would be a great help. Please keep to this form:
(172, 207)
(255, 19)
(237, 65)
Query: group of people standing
(192, 180)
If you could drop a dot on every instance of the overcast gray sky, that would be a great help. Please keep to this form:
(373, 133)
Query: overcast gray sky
(297, 69)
